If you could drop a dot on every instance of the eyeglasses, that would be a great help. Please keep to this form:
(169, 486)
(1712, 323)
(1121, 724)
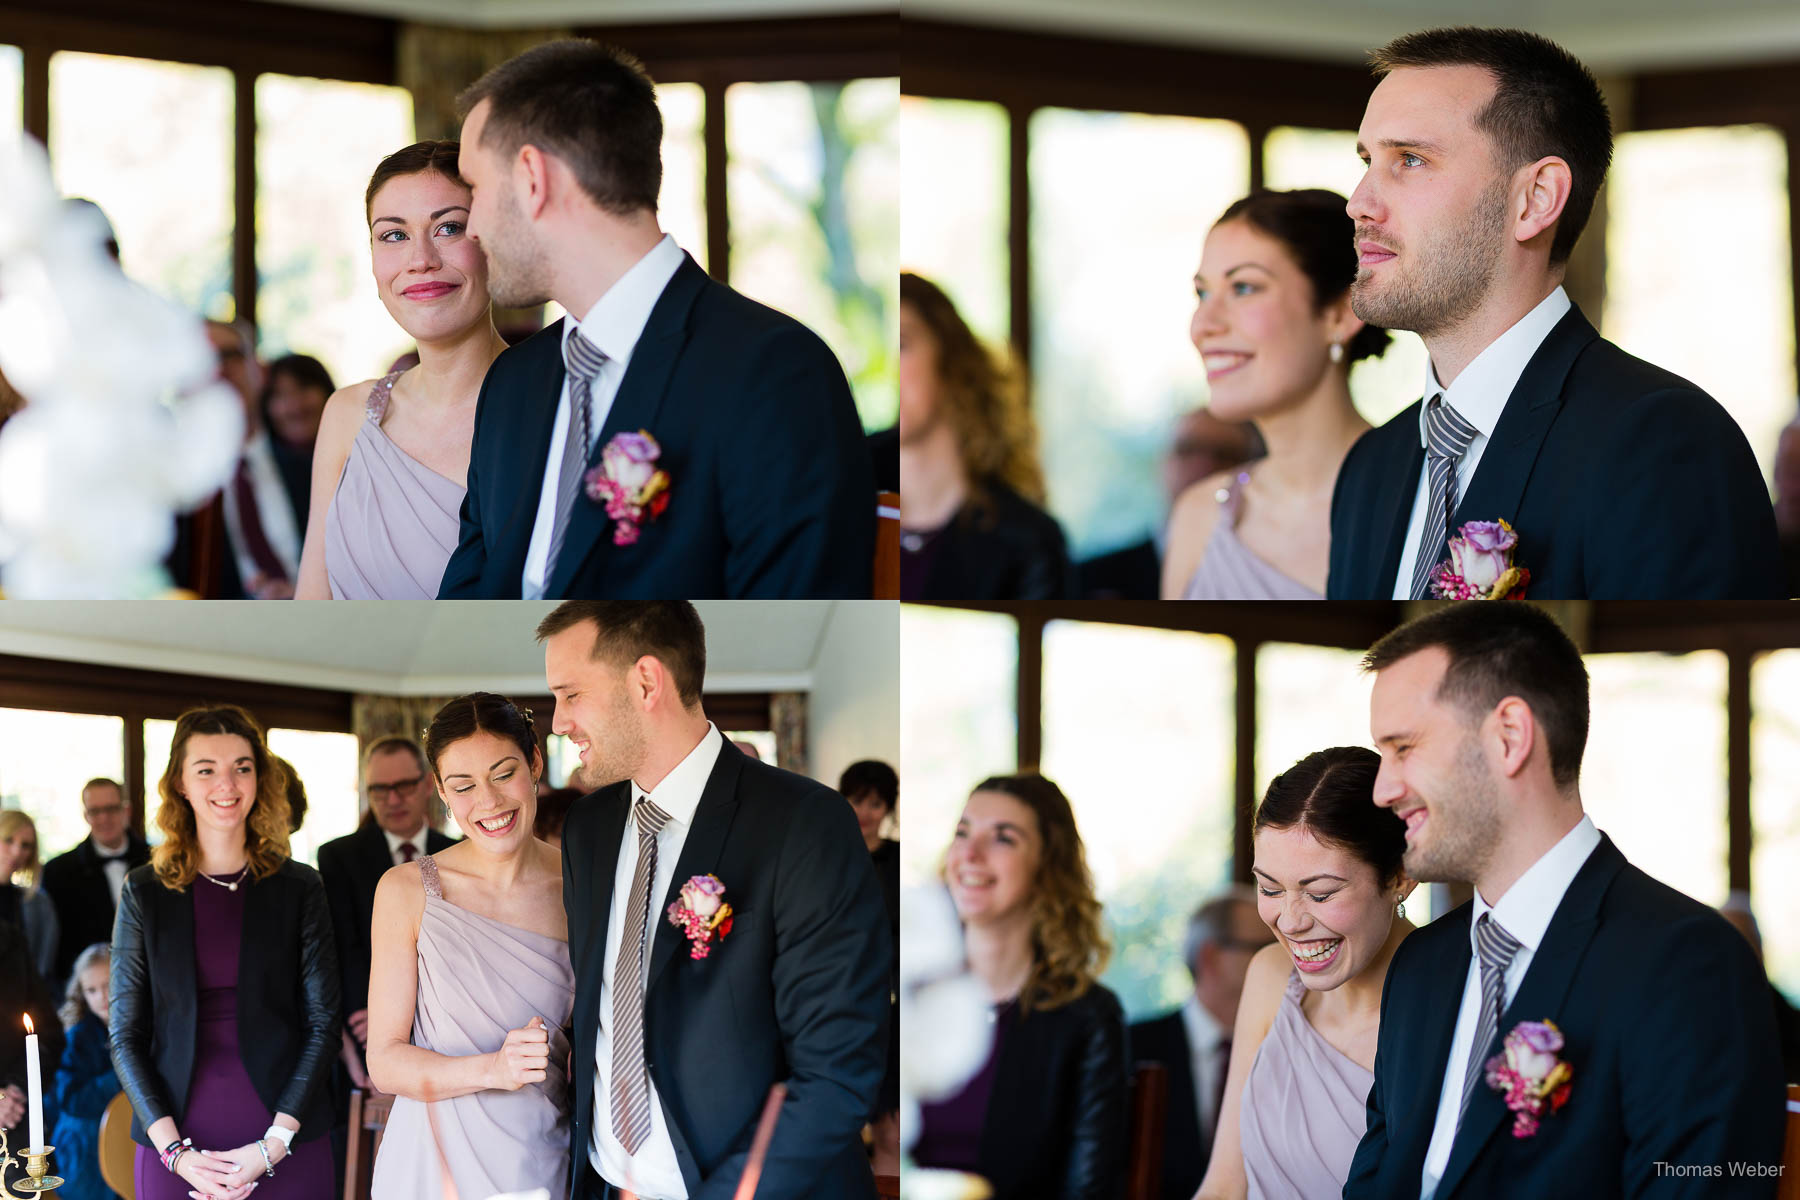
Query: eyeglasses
(381, 791)
(104, 810)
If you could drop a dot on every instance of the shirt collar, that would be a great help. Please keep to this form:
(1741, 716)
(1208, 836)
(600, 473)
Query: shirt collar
(1528, 905)
(1481, 391)
(679, 792)
(618, 317)
(417, 840)
(1203, 1031)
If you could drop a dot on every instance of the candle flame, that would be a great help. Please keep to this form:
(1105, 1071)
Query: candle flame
(29, 1027)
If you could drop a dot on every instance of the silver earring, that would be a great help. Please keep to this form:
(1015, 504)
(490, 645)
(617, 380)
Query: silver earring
(1336, 352)
(1400, 910)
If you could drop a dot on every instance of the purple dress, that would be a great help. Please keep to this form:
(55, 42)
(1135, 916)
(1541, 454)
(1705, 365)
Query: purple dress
(1230, 570)
(223, 1110)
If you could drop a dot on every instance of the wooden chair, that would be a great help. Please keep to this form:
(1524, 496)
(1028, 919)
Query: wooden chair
(118, 1152)
(368, 1121)
(887, 546)
(887, 1187)
(1149, 1117)
(1788, 1188)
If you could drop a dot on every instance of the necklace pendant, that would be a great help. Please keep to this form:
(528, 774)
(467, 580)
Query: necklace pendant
(232, 885)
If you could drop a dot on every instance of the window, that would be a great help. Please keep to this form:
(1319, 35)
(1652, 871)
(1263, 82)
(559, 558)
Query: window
(1653, 777)
(329, 766)
(163, 177)
(955, 198)
(1733, 335)
(958, 701)
(317, 142)
(681, 205)
(814, 175)
(1775, 812)
(1113, 254)
(1146, 759)
(45, 757)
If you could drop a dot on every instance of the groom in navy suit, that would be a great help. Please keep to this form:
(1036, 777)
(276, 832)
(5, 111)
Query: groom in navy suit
(669, 438)
(1480, 712)
(1485, 149)
(678, 1042)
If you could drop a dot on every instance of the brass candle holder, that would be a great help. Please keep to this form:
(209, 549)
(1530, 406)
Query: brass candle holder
(37, 1165)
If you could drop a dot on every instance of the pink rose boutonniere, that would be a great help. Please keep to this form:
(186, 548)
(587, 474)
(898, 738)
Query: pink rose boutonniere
(1480, 565)
(701, 913)
(628, 481)
(1528, 1074)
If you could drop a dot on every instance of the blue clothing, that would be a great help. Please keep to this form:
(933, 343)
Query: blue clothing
(85, 1085)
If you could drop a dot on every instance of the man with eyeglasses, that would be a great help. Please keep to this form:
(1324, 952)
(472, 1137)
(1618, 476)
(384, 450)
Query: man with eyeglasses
(1194, 1042)
(84, 883)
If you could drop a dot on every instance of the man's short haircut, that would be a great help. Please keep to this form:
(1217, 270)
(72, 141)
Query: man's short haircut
(1498, 649)
(626, 630)
(1211, 923)
(1546, 102)
(870, 775)
(103, 781)
(394, 745)
(592, 106)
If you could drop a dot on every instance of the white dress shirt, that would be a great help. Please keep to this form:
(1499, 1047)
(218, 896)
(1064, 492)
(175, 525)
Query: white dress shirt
(614, 324)
(1479, 394)
(116, 869)
(653, 1172)
(274, 509)
(394, 841)
(1524, 912)
(1203, 1036)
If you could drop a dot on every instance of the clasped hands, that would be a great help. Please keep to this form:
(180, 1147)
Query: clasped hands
(227, 1174)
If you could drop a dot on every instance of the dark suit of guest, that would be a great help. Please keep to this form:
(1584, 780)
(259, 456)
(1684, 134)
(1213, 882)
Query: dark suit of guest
(76, 882)
(21, 991)
(351, 867)
(1668, 1030)
(797, 993)
(771, 490)
(1622, 481)
(1186, 1146)
(1002, 547)
(1131, 573)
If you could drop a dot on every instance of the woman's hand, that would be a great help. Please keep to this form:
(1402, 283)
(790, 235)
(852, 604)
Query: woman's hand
(246, 1164)
(523, 1058)
(215, 1175)
(12, 1106)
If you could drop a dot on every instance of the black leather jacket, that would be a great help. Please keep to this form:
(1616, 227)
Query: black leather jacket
(287, 997)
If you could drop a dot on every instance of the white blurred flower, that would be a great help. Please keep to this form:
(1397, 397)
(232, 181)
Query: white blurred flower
(945, 1030)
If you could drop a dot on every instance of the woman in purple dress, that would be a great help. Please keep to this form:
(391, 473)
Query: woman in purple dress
(225, 982)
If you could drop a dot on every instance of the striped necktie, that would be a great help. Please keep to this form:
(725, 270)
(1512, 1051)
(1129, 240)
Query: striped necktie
(1495, 947)
(1447, 436)
(630, 1082)
(583, 360)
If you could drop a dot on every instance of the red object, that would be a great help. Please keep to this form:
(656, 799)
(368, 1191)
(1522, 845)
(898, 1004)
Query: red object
(759, 1147)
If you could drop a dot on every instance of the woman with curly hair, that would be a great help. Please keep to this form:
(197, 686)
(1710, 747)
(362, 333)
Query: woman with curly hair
(1055, 1077)
(972, 523)
(224, 1040)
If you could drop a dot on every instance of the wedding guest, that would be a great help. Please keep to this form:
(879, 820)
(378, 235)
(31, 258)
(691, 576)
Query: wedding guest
(1194, 1042)
(25, 900)
(1276, 335)
(224, 1041)
(295, 790)
(85, 882)
(1202, 446)
(1567, 959)
(1330, 884)
(744, 412)
(552, 812)
(1736, 909)
(295, 388)
(262, 524)
(86, 1081)
(471, 995)
(22, 992)
(396, 783)
(1787, 502)
(972, 522)
(1055, 1077)
(393, 453)
(1485, 149)
(873, 789)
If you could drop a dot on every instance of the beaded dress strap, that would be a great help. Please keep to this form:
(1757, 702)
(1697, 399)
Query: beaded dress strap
(428, 873)
(379, 395)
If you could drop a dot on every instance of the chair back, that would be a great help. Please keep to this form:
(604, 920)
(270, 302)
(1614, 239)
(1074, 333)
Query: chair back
(887, 1187)
(887, 546)
(368, 1121)
(1788, 1188)
(118, 1153)
(1149, 1118)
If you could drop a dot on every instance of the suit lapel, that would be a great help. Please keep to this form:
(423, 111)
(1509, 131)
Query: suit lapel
(1540, 997)
(700, 852)
(372, 846)
(634, 407)
(1432, 1030)
(1499, 482)
(609, 832)
(1393, 506)
(530, 412)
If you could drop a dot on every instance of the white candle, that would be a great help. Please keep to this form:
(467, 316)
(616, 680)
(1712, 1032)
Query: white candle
(34, 1082)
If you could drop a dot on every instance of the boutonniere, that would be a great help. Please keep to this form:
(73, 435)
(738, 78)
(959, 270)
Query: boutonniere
(702, 914)
(630, 484)
(1528, 1074)
(1480, 565)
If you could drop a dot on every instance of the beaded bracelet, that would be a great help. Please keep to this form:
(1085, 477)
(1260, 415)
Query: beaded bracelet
(173, 1152)
(268, 1164)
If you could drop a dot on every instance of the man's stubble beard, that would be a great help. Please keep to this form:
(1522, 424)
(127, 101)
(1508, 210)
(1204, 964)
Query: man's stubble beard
(1468, 828)
(1449, 278)
(621, 754)
(518, 269)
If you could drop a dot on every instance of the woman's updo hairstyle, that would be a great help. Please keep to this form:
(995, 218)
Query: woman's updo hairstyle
(1321, 239)
(1331, 792)
(436, 157)
(480, 712)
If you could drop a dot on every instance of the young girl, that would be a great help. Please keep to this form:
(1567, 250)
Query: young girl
(85, 1082)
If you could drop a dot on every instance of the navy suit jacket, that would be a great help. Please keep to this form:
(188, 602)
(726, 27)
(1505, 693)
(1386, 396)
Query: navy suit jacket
(1623, 482)
(772, 492)
(1666, 1019)
(1186, 1146)
(796, 993)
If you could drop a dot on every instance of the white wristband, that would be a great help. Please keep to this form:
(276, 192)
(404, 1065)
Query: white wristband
(281, 1134)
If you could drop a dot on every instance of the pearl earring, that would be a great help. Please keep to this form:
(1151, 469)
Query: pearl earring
(1400, 910)
(1336, 352)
